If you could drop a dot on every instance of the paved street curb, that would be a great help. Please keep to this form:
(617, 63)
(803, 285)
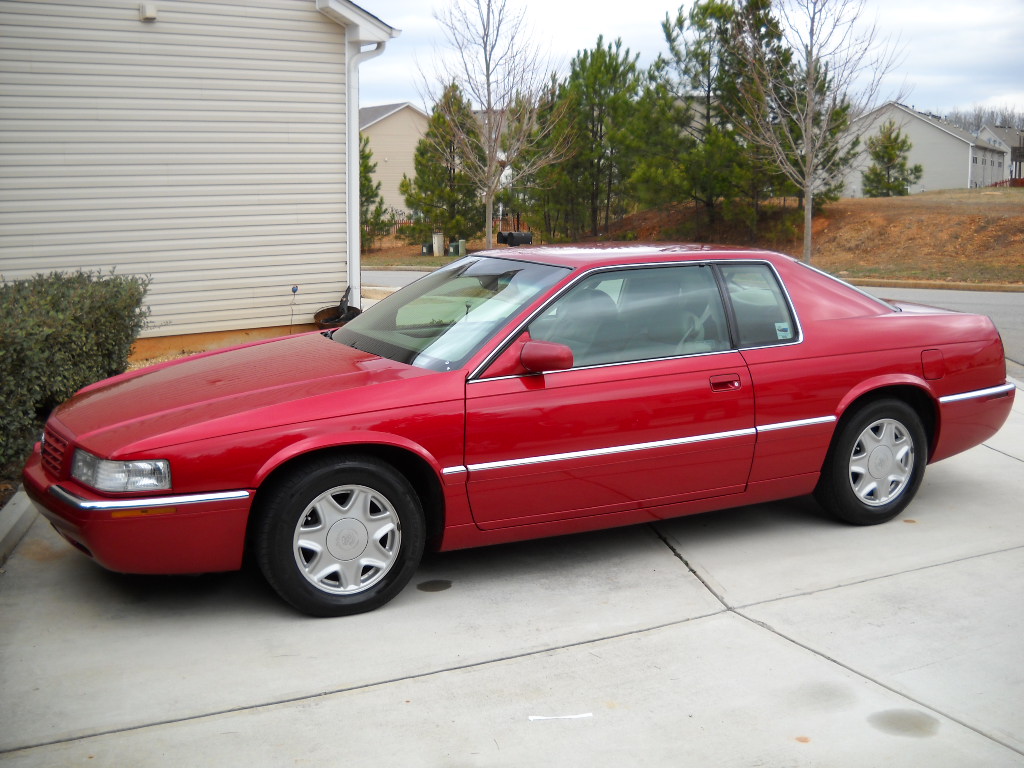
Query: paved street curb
(15, 518)
(936, 285)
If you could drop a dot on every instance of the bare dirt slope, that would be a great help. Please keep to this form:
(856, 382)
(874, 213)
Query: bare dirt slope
(973, 236)
(962, 236)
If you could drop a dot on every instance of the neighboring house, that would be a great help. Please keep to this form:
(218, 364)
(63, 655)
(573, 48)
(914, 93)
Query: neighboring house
(211, 144)
(394, 130)
(951, 158)
(1011, 141)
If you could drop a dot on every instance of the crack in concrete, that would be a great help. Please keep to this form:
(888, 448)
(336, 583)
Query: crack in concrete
(738, 611)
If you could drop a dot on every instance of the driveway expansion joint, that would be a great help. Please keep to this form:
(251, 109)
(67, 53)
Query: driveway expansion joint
(991, 736)
(739, 612)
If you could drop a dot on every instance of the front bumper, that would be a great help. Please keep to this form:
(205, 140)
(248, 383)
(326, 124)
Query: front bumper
(193, 533)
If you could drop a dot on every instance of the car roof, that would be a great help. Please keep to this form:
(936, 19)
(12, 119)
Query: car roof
(587, 256)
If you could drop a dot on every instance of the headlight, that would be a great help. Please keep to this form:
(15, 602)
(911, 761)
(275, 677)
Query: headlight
(120, 476)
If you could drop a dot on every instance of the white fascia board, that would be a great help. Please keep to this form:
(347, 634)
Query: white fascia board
(363, 26)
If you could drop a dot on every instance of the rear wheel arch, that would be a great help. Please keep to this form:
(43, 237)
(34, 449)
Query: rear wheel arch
(876, 458)
(917, 398)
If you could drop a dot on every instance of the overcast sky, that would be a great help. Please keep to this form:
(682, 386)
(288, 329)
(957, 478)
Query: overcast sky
(956, 53)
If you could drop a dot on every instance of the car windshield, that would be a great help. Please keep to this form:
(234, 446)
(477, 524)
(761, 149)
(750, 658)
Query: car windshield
(439, 321)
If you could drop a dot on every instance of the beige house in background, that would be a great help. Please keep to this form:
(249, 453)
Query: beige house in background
(1009, 140)
(210, 144)
(394, 130)
(951, 158)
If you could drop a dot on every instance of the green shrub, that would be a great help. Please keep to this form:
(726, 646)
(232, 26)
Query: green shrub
(58, 333)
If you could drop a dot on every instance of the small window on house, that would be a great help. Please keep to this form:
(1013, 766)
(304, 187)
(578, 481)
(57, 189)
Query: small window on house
(763, 315)
(974, 160)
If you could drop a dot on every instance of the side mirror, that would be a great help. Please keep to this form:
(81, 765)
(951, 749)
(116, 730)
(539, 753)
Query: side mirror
(541, 356)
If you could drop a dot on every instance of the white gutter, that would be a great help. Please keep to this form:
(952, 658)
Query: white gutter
(361, 29)
(355, 231)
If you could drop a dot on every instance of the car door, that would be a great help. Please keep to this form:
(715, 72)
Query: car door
(657, 408)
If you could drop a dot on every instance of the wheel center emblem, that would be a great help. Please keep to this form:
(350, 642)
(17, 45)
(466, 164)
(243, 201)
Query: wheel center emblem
(347, 539)
(880, 462)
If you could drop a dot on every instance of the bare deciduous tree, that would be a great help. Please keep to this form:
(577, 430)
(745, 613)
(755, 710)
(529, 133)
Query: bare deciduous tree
(500, 70)
(974, 118)
(799, 110)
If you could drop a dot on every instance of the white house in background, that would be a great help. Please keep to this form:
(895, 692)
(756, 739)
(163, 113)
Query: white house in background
(1009, 140)
(211, 144)
(951, 158)
(394, 130)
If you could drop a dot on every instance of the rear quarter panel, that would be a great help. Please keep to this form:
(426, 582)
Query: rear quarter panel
(853, 346)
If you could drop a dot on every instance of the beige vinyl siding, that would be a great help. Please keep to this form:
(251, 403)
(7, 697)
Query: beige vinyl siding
(393, 141)
(206, 149)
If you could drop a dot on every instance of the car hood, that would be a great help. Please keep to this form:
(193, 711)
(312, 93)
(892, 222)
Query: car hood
(284, 381)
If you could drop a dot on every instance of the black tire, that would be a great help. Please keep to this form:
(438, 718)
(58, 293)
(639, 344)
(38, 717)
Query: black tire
(339, 536)
(875, 463)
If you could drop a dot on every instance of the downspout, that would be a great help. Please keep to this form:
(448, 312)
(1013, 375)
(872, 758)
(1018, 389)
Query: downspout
(356, 56)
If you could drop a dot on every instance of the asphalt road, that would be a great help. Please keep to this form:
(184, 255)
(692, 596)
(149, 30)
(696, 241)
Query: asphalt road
(1005, 309)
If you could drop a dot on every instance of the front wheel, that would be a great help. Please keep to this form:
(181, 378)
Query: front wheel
(875, 464)
(339, 536)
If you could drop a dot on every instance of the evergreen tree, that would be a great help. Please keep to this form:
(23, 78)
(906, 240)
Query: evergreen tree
(373, 218)
(889, 174)
(442, 197)
(699, 155)
(595, 103)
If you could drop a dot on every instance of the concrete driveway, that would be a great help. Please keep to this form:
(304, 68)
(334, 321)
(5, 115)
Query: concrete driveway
(766, 635)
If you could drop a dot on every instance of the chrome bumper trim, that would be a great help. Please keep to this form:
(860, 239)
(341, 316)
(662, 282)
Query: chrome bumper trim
(1002, 389)
(145, 503)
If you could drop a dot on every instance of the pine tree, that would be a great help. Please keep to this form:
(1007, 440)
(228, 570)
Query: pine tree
(698, 153)
(889, 174)
(373, 217)
(593, 107)
(442, 197)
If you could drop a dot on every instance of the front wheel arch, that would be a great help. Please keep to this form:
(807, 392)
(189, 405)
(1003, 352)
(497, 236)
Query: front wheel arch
(419, 474)
(334, 536)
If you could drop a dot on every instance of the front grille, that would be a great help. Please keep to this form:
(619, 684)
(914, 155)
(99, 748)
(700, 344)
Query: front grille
(54, 449)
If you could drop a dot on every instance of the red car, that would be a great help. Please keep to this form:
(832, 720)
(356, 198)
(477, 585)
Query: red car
(516, 394)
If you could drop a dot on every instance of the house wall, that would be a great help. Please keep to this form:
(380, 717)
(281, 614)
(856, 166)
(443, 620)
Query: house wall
(985, 168)
(944, 157)
(393, 141)
(1002, 163)
(206, 148)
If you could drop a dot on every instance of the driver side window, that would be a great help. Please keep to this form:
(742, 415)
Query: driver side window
(637, 314)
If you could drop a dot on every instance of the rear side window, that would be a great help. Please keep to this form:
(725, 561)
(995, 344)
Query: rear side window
(763, 315)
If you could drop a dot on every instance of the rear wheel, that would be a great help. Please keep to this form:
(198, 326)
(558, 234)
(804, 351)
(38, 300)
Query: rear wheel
(875, 464)
(338, 537)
